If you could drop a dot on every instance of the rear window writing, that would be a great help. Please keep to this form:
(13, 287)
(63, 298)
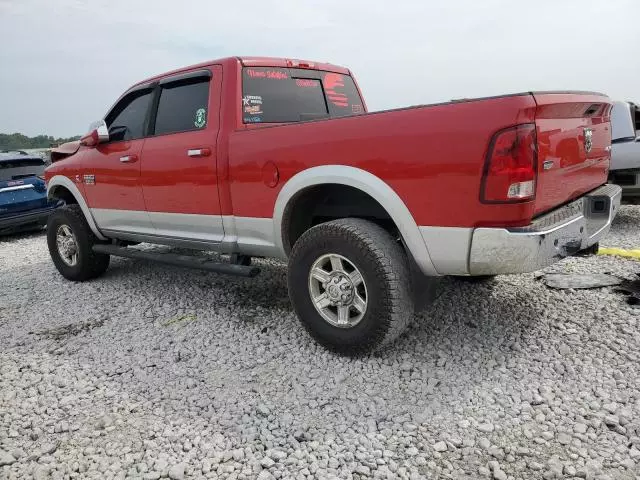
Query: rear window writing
(283, 95)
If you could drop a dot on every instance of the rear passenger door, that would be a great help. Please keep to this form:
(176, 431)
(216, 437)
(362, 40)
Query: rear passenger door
(178, 168)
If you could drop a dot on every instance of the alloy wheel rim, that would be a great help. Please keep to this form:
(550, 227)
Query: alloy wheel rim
(338, 290)
(67, 245)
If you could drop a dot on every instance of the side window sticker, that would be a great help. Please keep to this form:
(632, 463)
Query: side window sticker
(333, 85)
(201, 118)
(252, 108)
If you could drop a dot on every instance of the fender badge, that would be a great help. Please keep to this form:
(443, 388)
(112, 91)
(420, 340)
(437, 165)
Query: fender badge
(548, 165)
(588, 139)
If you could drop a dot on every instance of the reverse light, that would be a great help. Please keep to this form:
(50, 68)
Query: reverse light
(510, 170)
(522, 189)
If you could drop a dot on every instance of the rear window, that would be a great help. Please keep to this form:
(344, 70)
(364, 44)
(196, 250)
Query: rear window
(17, 169)
(283, 95)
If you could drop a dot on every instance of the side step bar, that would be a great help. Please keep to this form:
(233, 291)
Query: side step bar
(185, 261)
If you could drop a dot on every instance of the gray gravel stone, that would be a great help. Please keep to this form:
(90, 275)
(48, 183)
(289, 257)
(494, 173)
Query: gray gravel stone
(440, 447)
(176, 472)
(564, 438)
(484, 471)
(499, 475)
(153, 372)
(6, 458)
(486, 427)
(535, 466)
(265, 475)
(580, 428)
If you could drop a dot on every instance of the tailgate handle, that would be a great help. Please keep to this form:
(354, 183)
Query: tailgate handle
(129, 158)
(199, 152)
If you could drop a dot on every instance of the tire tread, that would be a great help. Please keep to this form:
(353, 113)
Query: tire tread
(93, 264)
(391, 266)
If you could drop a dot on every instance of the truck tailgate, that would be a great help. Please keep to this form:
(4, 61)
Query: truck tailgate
(574, 146)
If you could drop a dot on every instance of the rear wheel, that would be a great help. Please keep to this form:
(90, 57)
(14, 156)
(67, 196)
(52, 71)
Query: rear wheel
(350, 285)
(70, 241)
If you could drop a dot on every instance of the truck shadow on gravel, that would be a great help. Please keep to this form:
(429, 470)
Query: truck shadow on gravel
(23, 235)
(458, 312)
(479, 317)
(267, 290)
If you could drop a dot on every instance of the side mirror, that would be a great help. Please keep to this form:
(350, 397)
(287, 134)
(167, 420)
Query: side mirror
(98, 134)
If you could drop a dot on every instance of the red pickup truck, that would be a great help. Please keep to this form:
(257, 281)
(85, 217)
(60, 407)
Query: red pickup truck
(264, 157)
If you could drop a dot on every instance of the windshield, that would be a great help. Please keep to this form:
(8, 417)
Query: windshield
(277, 95)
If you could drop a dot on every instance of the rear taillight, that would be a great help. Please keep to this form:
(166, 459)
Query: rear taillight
(510, 170)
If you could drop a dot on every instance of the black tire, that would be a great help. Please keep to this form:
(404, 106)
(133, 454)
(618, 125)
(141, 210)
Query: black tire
(89, 264)
(385, 268)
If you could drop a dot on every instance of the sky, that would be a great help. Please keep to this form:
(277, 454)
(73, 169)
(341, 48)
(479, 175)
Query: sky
(64, 62)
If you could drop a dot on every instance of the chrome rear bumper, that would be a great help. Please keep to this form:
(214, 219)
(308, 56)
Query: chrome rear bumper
(551, 237)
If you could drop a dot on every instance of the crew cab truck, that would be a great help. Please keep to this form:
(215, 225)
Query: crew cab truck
(264, 157)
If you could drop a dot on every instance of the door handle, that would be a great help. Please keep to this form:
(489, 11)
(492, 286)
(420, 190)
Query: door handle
(129, 158)
(199, 152)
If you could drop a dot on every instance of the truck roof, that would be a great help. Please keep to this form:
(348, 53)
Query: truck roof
(254, 62)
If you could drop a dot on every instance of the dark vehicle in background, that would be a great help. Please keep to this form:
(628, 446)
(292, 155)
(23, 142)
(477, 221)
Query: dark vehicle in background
(625, 150)
(23, 193)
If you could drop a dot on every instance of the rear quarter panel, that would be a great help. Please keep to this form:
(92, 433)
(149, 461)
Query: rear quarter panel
(431, 156)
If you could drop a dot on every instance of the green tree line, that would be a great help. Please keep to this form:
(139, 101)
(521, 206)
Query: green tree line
(18, 141)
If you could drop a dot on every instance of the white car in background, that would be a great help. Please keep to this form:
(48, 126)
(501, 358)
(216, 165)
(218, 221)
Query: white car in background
(625, 150)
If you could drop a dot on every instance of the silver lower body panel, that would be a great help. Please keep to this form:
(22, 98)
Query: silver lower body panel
(550, 238)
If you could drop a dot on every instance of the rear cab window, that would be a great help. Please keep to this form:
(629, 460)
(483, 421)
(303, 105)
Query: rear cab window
(286, 95)
(19, 168)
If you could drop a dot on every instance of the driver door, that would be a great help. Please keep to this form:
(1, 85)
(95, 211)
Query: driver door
(112, 175)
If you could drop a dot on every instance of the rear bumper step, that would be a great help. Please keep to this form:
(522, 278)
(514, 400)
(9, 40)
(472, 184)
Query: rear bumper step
(552, 237)
(184, 261)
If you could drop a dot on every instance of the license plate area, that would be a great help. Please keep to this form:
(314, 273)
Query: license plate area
(597, 207)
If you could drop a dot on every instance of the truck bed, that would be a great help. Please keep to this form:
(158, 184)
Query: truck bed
(430, 154)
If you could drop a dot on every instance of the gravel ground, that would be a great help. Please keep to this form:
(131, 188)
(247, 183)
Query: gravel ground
(153, 372)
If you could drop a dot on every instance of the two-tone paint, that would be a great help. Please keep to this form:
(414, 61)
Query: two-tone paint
(423, 165)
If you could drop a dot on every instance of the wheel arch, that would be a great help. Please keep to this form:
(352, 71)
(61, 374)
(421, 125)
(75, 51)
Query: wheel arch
(368, 184)
(63, 188)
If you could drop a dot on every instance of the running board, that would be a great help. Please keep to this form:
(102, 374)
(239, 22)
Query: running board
(185, 261)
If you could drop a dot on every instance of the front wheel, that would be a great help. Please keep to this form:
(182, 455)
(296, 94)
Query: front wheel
(70, 241)
(350, 285)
